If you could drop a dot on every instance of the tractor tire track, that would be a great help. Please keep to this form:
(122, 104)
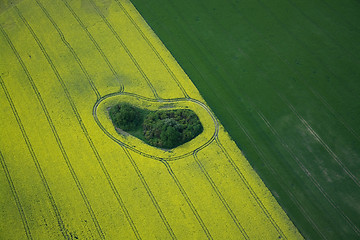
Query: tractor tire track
(67, 44)
(14, 193)
(168, 69)
(58, 140)
(323, 144)
(187, 199)
(220, 196)
(118, 38)
(251, 190)
(150, 194)
(313, 180)
(28, 143)
(112, 69)
(155, 100)
(274, 172)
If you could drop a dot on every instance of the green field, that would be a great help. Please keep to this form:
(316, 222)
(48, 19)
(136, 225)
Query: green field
(283, 77)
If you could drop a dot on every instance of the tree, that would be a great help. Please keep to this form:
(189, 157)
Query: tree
(125, 116)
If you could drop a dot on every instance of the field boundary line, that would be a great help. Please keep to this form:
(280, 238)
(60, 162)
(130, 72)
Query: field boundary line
(14, 193)
(274, 172)
(220, 196)
(187, 199)
(313, 180)
(125, 48)
(251, 190)
(267, 214)
(58, 140)
(307, 216)
(111, 67)
(153, 48)
(27, 140)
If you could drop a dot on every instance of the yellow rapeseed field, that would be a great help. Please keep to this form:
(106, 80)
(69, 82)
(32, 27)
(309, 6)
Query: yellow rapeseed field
(66, 173)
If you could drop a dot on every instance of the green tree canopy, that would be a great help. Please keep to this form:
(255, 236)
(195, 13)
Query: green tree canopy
(164, 128)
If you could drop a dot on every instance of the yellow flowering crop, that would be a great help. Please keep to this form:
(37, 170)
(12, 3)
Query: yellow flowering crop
(66, 172)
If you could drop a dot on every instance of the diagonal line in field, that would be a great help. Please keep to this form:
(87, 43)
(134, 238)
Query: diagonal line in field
(313, 180)
(323, 144)
(58, 140)
(101, 52)
(300, 77)
(143, 182)
(277, 175)
(9, 180)
(118, 38)
(67, 44)
(251, 190)
(324, 66)
(99, 159)
(187, 199)
(148, 190)
(143, 35)
(220, 196)
(34, 157)
(16, 197)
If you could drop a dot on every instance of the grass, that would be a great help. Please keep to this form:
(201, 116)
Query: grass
(282, 77)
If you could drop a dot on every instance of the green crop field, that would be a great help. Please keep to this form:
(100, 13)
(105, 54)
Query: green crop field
(283, 78)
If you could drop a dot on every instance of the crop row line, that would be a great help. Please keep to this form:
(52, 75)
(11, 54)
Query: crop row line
(63, 151)
(139, 173)
(313, 180)
(77, 59)
(278, 176)
(129, 52)
(26, 139)
(94, 42)
(220, 196)
(173, 76)
(324, 65)
(242, 177)
(187, 199)
(8, 176)
(118, 38)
